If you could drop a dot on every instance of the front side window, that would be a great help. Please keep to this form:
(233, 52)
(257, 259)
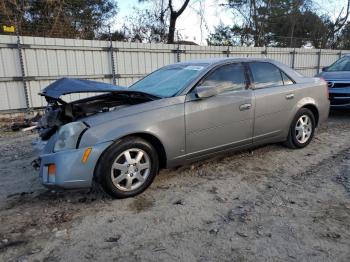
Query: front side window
(265, 75)
(229, 77)
(168, 81)
(343, 64)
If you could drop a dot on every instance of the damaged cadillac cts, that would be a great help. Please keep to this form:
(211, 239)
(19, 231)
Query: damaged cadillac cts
(178, 114)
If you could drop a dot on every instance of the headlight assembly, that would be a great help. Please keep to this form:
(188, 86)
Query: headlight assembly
(68, 136)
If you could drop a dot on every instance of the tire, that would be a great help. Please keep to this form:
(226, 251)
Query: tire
(295, 140)
(127, 167)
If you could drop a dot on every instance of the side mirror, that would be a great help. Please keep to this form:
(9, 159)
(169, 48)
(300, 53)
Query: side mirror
(324, 69)
(207, 91)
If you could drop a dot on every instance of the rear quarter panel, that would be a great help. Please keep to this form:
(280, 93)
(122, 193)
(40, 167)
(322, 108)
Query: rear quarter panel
(310, 91)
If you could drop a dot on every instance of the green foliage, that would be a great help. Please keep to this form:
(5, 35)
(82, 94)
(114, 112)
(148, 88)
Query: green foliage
(64, 18)
(229, 36)
(281, 23)
(344, 38)
(146, 26)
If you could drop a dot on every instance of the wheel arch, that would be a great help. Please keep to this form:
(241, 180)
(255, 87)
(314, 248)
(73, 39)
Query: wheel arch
(152, 139)
(313, 108)
(155, 142)
(308, 103)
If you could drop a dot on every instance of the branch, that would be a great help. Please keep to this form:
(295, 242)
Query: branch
(183, 7)
(340, 21)
(171, 6)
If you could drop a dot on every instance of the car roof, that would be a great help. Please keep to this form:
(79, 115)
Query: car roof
(220, 60)
(213, 62)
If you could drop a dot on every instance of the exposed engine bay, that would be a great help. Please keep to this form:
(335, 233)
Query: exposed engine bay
(58, 112)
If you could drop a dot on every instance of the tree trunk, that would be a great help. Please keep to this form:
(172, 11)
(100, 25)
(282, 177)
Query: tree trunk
(173, 17)
(256, 24)
(172, 25)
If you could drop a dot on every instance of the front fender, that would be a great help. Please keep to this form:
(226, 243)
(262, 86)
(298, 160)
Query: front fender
(166, 124)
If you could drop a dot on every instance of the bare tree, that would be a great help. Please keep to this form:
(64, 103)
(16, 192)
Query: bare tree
(200, 11)
(337, 26)
(174, 15)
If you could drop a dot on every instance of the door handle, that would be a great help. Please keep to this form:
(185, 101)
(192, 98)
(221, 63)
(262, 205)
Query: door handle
(245, 107)
(289, 96)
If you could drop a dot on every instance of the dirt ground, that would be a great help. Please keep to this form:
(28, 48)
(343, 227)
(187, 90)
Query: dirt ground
(270, 204)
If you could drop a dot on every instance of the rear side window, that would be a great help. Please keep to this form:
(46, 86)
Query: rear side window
(286, 79)
(268, 75)
(230, 77)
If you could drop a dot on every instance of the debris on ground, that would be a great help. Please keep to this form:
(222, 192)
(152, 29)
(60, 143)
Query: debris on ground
(274, 205)
(27, 124)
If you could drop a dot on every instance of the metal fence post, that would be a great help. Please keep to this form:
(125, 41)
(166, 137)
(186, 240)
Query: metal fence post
(319, 61)
(227, 51)
(112, 55)
(178, 58)
(340, 54)
(19, 48)
(264, 52)
(293, 58)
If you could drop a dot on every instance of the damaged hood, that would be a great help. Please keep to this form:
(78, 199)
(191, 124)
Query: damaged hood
(59, 112)
(66, 86)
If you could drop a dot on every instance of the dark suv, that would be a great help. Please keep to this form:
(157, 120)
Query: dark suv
(337, 76)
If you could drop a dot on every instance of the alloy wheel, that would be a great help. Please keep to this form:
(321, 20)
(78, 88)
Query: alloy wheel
(130, 169)
(303, 129)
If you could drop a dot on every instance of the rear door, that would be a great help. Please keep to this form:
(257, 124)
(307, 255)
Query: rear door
(274, 93)
(222, 121)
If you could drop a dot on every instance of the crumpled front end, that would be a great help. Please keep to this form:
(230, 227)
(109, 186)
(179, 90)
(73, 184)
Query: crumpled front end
(63, 162)
(70, 168)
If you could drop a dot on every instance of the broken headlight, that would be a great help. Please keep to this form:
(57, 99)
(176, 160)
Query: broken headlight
(69, 136)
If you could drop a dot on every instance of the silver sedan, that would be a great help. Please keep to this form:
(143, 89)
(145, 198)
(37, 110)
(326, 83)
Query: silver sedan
(178, 114)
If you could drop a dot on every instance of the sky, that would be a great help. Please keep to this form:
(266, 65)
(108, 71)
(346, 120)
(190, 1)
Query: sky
(189, 23)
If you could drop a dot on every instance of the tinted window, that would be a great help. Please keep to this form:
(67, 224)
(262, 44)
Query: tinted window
(168, 81)
(230, 77)
(286, 79)
(343, 64)
(266, 75)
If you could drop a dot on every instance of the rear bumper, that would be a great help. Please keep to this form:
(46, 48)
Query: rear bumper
(70, 172)
(324, 113)
(339, 97)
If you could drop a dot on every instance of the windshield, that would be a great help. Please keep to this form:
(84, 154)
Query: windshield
(343, 64)
(168, 81)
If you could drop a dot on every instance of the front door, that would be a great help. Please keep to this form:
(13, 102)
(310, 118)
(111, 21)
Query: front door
(222, 121)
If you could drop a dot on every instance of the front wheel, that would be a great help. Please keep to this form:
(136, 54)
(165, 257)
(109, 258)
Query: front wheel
(128, 167)
(302, 129)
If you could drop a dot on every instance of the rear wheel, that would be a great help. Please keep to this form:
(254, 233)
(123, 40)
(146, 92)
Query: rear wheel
(302, 129)
(128, 167)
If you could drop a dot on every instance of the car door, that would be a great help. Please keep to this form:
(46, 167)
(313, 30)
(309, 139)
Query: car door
(274, 98)
(222, 121)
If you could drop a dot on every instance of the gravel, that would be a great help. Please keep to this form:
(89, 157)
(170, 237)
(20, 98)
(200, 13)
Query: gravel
(268, 204)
